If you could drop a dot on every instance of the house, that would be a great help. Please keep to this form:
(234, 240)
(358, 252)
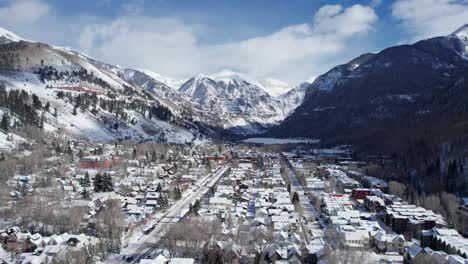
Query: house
(388, 242)
(425, 256)
(315, 184)
(220, 202)
(374, 203)
(182, 261)
(410, 220)
(360, 194)
(447, 240)
(277, 252)
(95, 162)
(356, 238)
(17, 241)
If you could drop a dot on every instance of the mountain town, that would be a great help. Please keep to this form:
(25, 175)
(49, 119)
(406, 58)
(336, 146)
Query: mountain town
(356, 158)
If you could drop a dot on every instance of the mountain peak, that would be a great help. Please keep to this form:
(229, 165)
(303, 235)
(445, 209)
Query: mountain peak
(200, 76)
(227, 75)
(462, 35)
(461, 32)
(8, 36)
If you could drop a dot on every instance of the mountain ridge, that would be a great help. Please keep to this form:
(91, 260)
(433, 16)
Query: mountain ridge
(398, 89)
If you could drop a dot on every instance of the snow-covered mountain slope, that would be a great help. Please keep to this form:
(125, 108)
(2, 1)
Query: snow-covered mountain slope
(384, 97)
(237, 103)
(92, 99)
(145, 81)
(202, 105)
(99, 122)
(290, 100)
(7, 36)
(462, 35)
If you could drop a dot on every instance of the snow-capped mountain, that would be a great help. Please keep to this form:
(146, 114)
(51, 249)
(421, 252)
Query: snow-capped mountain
(136, 104)
(237, 104)
(7, 36)
(89, 98)
(381, 98)
(462, 35)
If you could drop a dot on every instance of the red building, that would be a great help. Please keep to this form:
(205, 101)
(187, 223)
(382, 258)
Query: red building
(95, 162)
(360, 194)
(218, 158)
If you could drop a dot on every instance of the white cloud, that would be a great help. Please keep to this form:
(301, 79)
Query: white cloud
(344, 23)
(429, 18)
(170, 46)
(173, 47)
(23, 12)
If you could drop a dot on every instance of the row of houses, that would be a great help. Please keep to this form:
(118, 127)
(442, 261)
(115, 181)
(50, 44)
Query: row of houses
(428, 240)
(34, 248)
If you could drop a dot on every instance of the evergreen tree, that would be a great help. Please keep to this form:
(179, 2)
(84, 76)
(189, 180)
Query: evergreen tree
(5, 122)
(103, 183)
(295, 198)
(195, 207)
(70, 151)
(81, 154)
(107, 183)
(177, 193)
(94, 111)
(36, 102)
(41, 121)
(85, 194)
(85, 181)
(47, 107)
(159, 187)
(98, 183)
(163, 201)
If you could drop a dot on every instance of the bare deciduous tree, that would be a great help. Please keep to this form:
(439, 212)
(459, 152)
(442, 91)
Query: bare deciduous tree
(397, 189)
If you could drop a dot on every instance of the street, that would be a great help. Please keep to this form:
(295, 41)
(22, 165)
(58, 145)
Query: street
(147, 244)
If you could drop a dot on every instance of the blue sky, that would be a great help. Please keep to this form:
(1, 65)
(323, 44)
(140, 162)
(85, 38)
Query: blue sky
(291, 40)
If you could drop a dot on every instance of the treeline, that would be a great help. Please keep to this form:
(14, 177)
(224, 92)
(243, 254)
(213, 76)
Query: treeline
(85, 101)
(428, 165)
(22, 106)
(49, 73)
(10, 58)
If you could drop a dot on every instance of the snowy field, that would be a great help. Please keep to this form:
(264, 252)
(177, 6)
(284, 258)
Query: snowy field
(271, 141)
